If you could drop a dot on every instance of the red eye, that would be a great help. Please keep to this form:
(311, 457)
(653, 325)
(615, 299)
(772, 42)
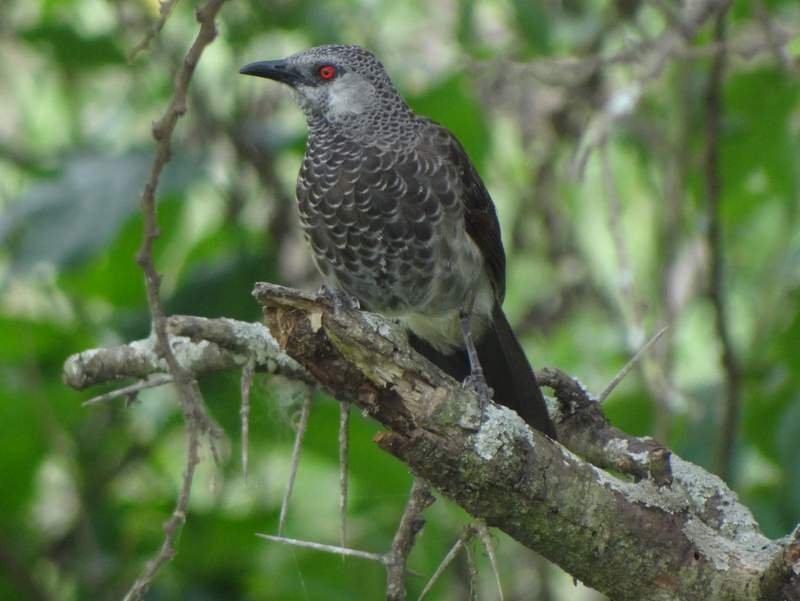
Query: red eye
(327, 71)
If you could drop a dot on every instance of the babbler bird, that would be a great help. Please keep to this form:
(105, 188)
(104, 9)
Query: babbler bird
(399, 219)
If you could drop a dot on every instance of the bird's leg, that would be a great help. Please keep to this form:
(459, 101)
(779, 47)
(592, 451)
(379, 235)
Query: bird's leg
(475, 380)
(340, 299)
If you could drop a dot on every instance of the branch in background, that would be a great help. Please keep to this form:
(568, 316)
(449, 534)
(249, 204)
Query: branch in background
(248, 371)
(165, 8)
(344, 454)
(466, 536)
(716, 288)
(651, 57)
(411, 522)
(302, 427)
(197, 421)
(394, 560)
(629, 302)
(775, 36)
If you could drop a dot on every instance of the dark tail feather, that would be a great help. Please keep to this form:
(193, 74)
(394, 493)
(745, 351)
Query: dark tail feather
(506, 368)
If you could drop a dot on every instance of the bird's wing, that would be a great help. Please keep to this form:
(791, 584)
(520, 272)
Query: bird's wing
(480, 216)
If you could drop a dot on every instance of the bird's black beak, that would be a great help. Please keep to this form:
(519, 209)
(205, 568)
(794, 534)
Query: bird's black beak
(278, 70)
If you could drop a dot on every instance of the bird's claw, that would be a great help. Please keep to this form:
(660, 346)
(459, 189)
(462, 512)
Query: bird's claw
(477, 383)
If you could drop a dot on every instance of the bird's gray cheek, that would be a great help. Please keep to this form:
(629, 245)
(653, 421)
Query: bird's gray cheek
(312, 97)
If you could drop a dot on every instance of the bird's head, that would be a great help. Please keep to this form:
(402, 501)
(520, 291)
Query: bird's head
(333, 82)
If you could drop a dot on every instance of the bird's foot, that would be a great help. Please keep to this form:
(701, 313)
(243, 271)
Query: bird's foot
(476, 382)
(338, 298)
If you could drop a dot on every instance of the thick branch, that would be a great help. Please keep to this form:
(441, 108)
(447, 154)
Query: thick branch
(631, 540)
(666, 530)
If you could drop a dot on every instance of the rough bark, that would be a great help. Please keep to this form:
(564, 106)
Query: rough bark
(689, 539)
(656, 527)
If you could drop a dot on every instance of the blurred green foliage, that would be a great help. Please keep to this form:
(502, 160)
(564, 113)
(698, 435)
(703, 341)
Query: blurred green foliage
(86, 490)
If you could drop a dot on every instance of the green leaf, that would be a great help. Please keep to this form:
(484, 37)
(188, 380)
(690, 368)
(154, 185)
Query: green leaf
(70, 49)
(67, 220)
(451, 104)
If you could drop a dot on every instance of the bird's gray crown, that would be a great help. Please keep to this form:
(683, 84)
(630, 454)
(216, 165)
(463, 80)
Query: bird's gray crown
(337, 85)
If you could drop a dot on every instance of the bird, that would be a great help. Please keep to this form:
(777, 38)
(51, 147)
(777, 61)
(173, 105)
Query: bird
(400, 223)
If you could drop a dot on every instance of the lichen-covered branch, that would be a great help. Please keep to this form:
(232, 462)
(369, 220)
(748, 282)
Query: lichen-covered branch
(200, 345)
(654, 527)
(687, 540)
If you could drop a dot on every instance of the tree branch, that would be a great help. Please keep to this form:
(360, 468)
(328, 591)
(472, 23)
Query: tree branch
(199, 344)
(731, 402)
(631, 540)
(194, 413)
(661, 528)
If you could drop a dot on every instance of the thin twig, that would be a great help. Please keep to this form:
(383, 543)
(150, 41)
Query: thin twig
(345, 551)
(165, 8)
(716, 289)
(411, 522)
(630, 304)
(630, 365)
(173, 525)
(302, 426)
(448, 559)
(486, 540)
(344, 440)
(248, 371)
(129, 391)
(472, 571)
(197, 421)
(772, 33)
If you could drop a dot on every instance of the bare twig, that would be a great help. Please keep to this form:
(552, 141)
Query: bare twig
(302, 426)
(716, 288)
(629, 365)
(194, 413)
(248, 371)
(472, 571)
(131, 390)
(486, 540)
(165, 8)
(173, 525)
(344, 439)
(419, 499)
(344, 551)
(774, 36)
(466, 535)
(629, 301)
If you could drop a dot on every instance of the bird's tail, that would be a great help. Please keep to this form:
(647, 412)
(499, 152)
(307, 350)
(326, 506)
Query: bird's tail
(506, 368)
